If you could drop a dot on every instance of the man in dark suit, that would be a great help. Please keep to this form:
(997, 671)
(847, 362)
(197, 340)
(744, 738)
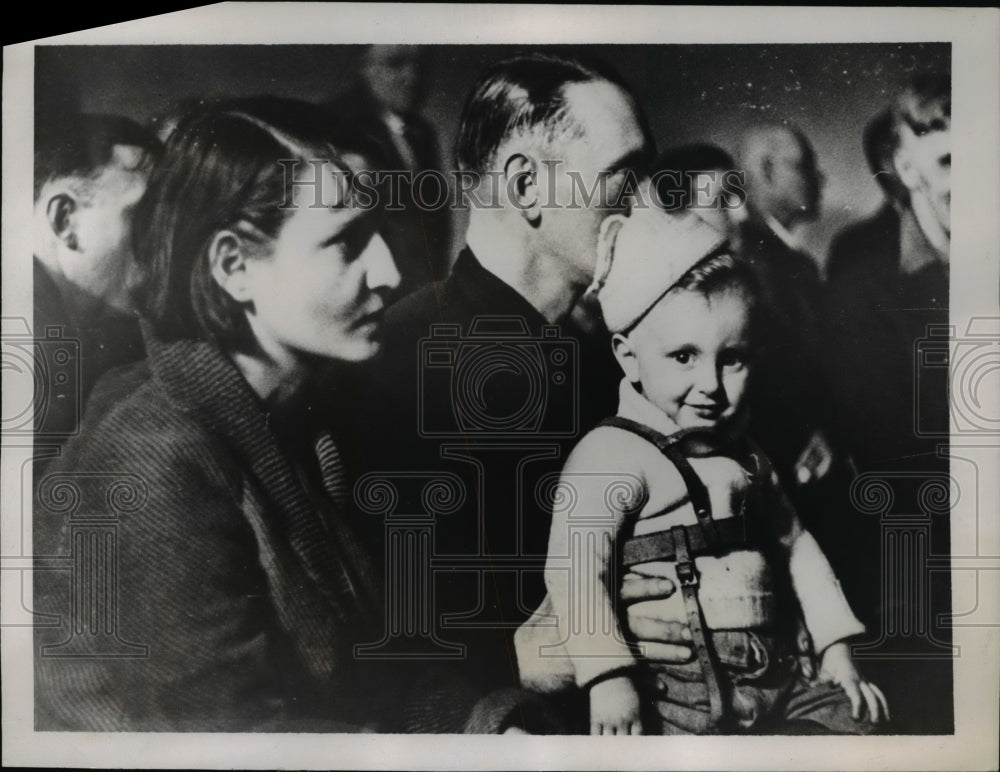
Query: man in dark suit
(879, 233)
(90, 171)
(790, 404)
(385, 105)
(889, 300)
(896, 284)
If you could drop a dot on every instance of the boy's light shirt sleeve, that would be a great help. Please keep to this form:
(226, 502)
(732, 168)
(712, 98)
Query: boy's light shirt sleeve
(825, 610)
(578, 576)
(828, 616)
(579, 585)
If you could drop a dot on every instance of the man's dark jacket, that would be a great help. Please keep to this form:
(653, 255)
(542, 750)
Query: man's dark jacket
(474, 383)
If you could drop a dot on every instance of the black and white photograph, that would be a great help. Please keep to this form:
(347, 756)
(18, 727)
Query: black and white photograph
(477, 387)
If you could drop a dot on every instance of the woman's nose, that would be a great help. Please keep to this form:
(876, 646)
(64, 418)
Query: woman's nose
(381, 268)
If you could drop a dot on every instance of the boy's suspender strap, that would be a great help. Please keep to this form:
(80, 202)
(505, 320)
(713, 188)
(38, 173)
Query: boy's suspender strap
(687, 575)
(661, 545)
(697, 492)
(661, 441)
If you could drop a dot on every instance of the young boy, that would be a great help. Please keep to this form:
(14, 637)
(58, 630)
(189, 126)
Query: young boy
(670, 487)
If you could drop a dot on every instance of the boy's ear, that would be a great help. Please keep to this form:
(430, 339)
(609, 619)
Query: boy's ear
(60, 212)
(522, 186)
(625, 355)
(227, 260)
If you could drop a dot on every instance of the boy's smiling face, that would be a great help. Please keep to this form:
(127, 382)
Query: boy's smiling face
(690, 356)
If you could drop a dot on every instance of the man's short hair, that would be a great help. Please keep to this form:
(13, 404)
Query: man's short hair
(82, 145)
(522, 94)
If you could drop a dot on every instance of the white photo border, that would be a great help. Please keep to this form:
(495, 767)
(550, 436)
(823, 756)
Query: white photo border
(975, 278)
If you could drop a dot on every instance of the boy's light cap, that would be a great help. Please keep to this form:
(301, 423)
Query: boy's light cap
(640, 257)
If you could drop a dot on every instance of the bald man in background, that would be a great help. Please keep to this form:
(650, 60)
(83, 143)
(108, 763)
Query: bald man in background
(790, 404)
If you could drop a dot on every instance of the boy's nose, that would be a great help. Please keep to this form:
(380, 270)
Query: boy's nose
(708, 379)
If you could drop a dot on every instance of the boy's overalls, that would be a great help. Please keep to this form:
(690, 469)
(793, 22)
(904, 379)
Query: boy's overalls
(741, 680)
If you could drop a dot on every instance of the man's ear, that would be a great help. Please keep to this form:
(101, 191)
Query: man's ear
(625, 355)
(521, 174)
(228, 262)
(60, 212)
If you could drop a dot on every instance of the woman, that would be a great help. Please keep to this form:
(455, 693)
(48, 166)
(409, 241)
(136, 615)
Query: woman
(229, 590)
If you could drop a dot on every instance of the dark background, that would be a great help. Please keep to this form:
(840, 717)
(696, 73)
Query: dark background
(691, 92)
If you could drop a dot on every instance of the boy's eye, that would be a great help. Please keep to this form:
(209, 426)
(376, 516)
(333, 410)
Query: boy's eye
(682, 357)
(733, 360)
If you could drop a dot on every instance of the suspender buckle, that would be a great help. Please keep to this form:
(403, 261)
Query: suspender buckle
(686, 574)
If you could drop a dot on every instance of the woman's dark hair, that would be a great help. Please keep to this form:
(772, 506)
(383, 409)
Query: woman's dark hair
(220, 170)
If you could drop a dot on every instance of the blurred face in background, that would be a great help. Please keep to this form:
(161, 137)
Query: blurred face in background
(709, 197)
(795, 180)
(923, 162)
(394, 76)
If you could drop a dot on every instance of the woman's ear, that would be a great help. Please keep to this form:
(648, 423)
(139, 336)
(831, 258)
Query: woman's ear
(227, 259)
(625, 355)
(521, 173)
